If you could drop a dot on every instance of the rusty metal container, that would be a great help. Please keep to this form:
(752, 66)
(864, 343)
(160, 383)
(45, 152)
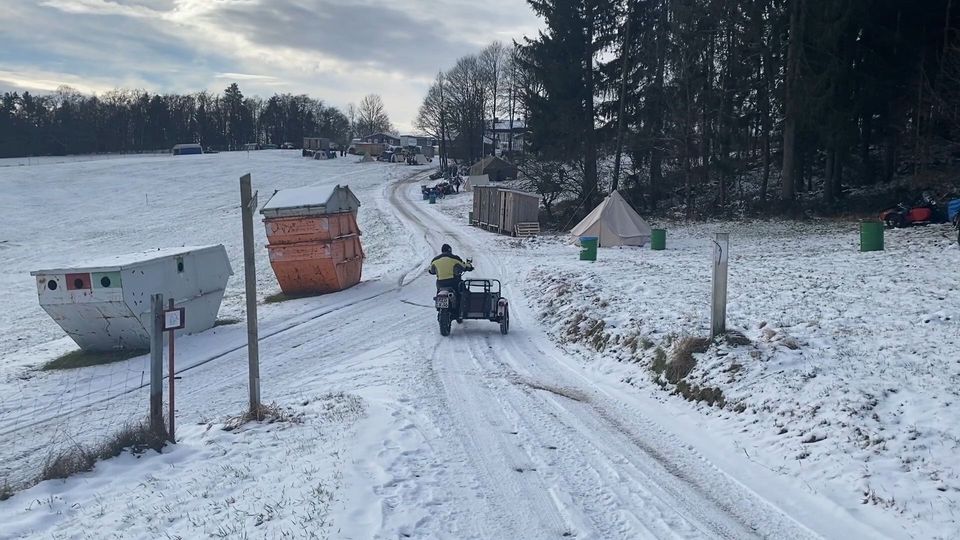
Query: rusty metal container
(291, 230)
(314, 240)
(317, 267)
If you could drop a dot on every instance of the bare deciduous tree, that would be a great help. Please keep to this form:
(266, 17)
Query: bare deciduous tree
(372, 116)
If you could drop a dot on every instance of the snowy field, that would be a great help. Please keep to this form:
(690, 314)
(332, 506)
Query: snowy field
(56, 213)
(835, 405)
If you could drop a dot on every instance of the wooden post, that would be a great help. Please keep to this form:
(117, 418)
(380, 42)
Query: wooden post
(718, 315)
(156, 364)
(248, 203)
(171, 372)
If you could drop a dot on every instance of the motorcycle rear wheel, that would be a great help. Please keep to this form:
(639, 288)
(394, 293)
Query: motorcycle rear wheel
(444, 318)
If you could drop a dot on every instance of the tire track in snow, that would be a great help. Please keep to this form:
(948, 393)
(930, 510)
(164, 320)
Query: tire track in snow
(521, 499)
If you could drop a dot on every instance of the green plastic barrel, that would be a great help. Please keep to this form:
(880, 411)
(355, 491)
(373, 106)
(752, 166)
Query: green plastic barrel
(658, 239)
(588, 248)
(871, 236)
(433, 197)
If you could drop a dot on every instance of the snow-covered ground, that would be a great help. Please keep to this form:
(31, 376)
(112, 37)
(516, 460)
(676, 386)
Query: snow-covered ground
(849, 374)
(398, 432)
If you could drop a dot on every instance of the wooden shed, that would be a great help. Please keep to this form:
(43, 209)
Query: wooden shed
(505, 211)
(518, 208)
(486, 207)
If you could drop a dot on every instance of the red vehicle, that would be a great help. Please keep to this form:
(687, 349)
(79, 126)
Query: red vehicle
(904, 215)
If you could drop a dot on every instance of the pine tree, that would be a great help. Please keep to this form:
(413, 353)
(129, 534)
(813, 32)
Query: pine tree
(562, 64)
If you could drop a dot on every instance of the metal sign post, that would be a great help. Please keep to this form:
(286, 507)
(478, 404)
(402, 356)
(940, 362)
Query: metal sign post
(721, 255)
(156, 364)
(248, 203)
(173, 319)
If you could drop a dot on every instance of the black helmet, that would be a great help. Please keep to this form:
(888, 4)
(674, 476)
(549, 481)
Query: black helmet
(446, 248)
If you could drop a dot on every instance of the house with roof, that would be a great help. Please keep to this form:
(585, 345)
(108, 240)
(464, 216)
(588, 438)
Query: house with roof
(381, 138)
(501, 132)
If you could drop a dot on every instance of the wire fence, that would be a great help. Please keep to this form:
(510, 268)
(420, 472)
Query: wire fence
(48, 414)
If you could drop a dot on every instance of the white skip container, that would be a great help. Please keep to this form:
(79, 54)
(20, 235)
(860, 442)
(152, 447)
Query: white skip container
(104, 305)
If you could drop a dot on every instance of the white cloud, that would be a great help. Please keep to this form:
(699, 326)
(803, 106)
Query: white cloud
(244, 77)
(48, 81)
(332, 50)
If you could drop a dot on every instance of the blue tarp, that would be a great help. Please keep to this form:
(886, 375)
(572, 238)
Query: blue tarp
(953, 208)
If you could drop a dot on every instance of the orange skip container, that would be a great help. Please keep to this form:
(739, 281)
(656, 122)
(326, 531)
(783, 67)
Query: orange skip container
(314, 240)
(317, 267)
(291, 230)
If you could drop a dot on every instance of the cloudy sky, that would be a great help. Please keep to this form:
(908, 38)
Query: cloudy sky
(334, 50)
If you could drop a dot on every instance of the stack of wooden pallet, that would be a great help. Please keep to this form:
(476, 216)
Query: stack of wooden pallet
(525, 230)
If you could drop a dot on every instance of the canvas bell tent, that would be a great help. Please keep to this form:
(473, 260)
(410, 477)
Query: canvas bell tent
(615, 223)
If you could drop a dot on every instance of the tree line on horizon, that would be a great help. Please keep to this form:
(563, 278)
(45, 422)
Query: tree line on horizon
(721, 104)
(126, 121)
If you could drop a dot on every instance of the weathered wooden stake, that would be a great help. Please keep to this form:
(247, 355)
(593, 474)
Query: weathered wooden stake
(248, 203)
(171, 372)
(156, 364)
(718, 315)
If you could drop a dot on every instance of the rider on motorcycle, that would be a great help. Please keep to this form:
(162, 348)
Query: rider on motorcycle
(448, 268)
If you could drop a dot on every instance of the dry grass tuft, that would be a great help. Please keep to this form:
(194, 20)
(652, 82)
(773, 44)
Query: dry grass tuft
(659, 361)
(5, 491)
(692, 392)
(682, 361)
(736, 339)
(266, 413)
(138, 438)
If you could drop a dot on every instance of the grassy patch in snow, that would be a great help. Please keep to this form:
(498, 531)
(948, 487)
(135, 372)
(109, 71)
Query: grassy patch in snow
(266, 413)
(226, 321)
(682, 361)
(674, 368)
(79, 358)
(5, 491)
(281, 297)
(659, 364)
(137, 437)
